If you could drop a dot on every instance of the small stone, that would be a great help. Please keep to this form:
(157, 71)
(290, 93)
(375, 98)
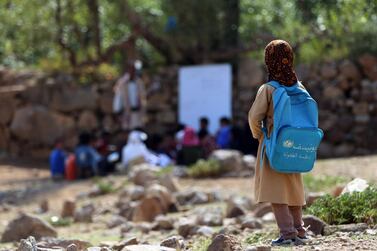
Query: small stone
(213, 217)
(28, 245)
(69, 207)
(116, 221)
(251, 224)
(172, 242)
(127, 242)
(205, 231)
(269, 217)
(164, 222)
(262, 209)
(371, 231)
(186, 227)
(224, 243)
(147, 248)
(43, 206)
(85, 214)
(72, 247)
(316, 225)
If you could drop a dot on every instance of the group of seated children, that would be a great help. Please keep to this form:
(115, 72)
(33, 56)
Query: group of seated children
(96, 157)
(90, 158)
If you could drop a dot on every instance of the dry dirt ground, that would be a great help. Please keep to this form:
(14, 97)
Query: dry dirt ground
(27, 185)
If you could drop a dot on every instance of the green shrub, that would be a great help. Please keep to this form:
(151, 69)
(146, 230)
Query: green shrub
(164, 171)
(105, 187)
(354, 207)
(205, 168)
(59, 222)
(201, 244)
(322, 183)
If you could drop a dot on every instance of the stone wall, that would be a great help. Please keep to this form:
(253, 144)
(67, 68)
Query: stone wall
(36, 108)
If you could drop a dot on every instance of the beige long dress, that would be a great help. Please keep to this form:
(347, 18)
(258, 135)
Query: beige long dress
(271, 186)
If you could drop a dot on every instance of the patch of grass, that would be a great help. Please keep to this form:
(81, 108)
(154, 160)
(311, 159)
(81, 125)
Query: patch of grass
(105, 187)
(59, 222)
(205, 169)
(323, 183)
(201, 244)
(356, 207)
(164, 171)
(260, 238)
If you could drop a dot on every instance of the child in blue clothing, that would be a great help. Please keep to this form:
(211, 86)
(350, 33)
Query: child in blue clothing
(224, 134)
(57, 161)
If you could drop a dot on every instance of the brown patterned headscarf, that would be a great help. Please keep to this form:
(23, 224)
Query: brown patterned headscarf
(278, 56)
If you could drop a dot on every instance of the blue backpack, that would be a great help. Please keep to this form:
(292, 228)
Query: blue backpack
(295, 137)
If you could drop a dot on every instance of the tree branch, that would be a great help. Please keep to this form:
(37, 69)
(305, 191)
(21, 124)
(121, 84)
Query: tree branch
(59, 35)
(95, 24)
(160, 44)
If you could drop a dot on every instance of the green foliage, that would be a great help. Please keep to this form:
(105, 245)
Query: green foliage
(318, 29)
(260, 237)
(165, 170)
(201, 244)
(59, 222)
(205, 169)
(356, 207)
(105, 187)
(322, 183)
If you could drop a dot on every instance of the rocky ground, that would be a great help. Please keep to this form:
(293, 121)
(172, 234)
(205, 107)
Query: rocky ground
(122, 212)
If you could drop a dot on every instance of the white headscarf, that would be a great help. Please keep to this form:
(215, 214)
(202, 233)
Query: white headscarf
(135, 148)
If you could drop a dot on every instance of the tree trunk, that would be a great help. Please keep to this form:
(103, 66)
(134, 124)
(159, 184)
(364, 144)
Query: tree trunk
(95, 25)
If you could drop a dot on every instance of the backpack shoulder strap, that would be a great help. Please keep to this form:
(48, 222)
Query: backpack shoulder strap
(274, 84)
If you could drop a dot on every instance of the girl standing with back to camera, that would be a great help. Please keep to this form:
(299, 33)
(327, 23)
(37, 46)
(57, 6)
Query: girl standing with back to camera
(285, 191)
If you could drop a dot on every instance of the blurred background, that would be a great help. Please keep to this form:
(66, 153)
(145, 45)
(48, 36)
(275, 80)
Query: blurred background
(61, 59)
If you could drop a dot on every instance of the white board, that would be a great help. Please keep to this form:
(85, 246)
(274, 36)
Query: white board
(205, 91)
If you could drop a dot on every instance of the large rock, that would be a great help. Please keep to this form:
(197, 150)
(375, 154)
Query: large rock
(349, 70)
(230, 160)
(225, 243)
(356, 185)
(237, 206)
(26, 225)
(148, 209)
(88, 121)
(84, 214)
(71, 99)
(262, 209)
(369, 64)
(4, 138)
(348, 228)
(106, 102)
(164, 222)
(62, 243)
(143, 174)
(251, 223)
(7, 108)
(167, 200)
(316, 225)
(191, 197)
(127, 242)
(28, 244)
(169, 182)
(158, 200)
(210, 217)
(40, 126)
(175, 242)
(187, 227)
(329, 71)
